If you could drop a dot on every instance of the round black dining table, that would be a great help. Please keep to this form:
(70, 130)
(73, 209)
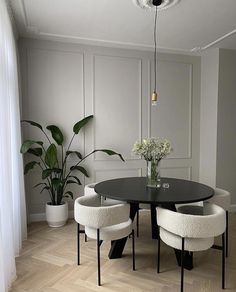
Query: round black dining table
(135, 190)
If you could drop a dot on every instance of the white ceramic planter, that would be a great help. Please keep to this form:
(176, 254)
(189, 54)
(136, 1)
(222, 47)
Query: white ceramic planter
(57, 216)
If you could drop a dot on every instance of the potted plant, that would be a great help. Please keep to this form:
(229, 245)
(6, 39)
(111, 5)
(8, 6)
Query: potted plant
(57, 177)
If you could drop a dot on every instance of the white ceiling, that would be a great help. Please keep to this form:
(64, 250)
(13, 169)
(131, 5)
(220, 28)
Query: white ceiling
(189, 26)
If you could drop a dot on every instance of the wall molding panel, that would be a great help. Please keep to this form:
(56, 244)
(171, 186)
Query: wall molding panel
(122, 102)
(183, 172)
(104, 174)
(62, 83)
(177, 102)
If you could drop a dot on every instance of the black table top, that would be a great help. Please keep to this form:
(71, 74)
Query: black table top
(134, 189)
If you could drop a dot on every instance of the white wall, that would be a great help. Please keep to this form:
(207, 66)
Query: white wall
(226, 139)
(218, 120)
(63, 82)
(208, 120)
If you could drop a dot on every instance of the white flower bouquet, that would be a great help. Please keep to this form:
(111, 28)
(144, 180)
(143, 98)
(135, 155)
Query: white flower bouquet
(152, 149)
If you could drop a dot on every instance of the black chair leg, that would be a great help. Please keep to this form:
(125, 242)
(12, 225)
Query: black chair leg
(137, 222)
(98, 257)
(227, 233)
(78, 244)
(182, 266)
(85, 237)
(133, 250)
(158, 251)
(223, 261)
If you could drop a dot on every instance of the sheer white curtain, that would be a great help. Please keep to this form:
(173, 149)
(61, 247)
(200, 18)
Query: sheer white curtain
(12, 196)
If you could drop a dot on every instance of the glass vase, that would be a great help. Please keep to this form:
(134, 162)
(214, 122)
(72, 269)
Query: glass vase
(153, 174)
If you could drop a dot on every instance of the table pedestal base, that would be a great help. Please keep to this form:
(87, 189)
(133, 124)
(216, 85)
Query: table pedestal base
(117, 246)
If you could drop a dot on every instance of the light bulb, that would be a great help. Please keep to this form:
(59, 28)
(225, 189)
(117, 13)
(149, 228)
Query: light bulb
(154, 98)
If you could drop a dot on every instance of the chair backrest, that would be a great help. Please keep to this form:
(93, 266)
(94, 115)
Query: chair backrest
(210, 223)
(89, 212)
(221, 198)
(89, 189)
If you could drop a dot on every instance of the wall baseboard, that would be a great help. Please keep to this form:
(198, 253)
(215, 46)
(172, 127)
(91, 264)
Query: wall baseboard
(42, 216)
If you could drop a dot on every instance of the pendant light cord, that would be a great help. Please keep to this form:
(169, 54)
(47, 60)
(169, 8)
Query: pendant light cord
(155, 50)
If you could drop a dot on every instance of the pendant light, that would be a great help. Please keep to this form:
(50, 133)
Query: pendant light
(155, 3)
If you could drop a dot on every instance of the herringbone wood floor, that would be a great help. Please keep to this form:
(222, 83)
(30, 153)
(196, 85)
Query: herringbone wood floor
(48, 264)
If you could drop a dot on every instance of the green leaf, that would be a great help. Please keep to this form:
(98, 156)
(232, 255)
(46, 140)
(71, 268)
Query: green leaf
(49, 171)
(30, 166)
(27, 144)
(71, 182)
(56, 134)
(76, 178)
(45, 188)
(57, 170)
(70, 194)
(81, 169)
(51, 156)
(32, 123)
(35, 151)
(39, 184)
(57, 183)
(81, 124)
(75, 152)
(46, 173)
(109, 152)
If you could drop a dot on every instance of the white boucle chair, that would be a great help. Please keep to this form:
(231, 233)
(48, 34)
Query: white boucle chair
(192, 228)
(222, 198)
(89, 190)
(102, 223)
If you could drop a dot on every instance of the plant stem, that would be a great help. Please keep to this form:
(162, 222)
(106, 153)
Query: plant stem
(50, 191)
(47, 137)
(64, 160)
(62, 153)
(80, 162)
(70, 142)
(43, 162)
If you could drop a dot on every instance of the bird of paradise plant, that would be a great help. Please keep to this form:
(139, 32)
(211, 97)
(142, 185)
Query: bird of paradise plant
(56, 176)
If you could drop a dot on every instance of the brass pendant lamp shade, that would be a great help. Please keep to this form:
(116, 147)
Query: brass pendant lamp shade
(154, 98)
